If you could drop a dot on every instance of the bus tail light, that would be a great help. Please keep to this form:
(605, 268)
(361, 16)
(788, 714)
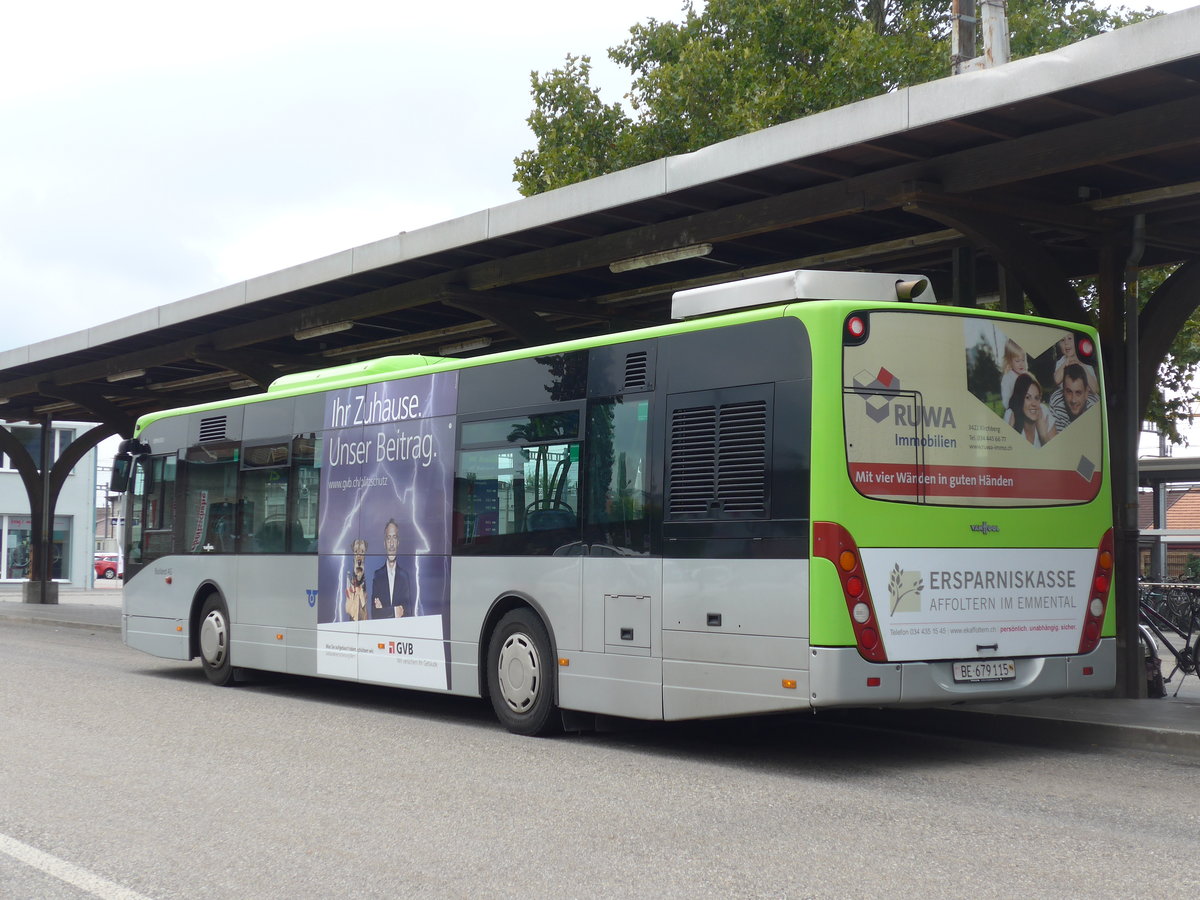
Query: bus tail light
(1098, 593)
(855, 329)
(834, 543)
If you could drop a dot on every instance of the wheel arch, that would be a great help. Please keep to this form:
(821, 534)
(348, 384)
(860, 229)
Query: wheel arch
(500, 607)
(205, 590)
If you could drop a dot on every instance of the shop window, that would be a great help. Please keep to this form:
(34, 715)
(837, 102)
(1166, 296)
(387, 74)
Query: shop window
(17, 560)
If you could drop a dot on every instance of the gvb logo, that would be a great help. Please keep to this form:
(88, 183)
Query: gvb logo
(312, 598)
(904, 590)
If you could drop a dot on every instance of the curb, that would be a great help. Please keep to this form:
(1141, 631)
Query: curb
(63, 623)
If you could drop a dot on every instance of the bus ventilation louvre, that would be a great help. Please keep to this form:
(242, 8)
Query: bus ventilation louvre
(718, 463)
(213, 429)
(834, 543)
(636, 371)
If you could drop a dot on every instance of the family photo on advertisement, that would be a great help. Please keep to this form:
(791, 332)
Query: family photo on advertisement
(1038, 396)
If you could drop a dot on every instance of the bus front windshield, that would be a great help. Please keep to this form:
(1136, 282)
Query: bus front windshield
(968, 411)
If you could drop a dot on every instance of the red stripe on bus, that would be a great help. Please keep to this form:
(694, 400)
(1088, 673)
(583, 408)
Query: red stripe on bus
(889, 479)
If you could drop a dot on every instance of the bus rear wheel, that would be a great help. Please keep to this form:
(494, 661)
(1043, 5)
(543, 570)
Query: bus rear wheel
(519, 666)
(214, 641)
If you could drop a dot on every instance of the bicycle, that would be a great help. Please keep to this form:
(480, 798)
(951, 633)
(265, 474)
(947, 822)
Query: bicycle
(1153, 627)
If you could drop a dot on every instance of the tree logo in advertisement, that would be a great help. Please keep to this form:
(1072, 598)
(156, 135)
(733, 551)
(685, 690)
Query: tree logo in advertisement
(904, 590)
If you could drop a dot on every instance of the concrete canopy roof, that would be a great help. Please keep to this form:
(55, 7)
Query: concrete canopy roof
(1068, 146)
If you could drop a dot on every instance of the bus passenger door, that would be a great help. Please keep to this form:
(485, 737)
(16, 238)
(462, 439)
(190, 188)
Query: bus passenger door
(619, 671)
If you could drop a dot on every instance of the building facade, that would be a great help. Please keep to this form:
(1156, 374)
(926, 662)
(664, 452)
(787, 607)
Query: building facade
(74, 519)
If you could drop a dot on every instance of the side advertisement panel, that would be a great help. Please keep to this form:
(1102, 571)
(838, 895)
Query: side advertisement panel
(383, 610)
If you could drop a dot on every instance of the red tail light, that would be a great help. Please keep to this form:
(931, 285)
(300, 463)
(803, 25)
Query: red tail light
(1099, 588)
(834, 543)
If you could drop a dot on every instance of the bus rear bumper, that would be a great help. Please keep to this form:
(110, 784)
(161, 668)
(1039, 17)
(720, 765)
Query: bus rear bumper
(841, 677)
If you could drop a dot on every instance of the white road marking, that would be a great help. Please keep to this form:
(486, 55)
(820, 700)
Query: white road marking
(65, 871)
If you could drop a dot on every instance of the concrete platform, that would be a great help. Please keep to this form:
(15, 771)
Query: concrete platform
(1170, 725)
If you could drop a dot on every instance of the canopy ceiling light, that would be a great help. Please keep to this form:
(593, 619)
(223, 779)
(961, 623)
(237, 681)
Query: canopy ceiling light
(125, 376)
(321, 330)
(691, 251)
(464, 346)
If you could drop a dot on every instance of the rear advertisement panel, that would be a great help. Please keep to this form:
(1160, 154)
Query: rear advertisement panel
(383, 580)
(966, 604)
(964, 411)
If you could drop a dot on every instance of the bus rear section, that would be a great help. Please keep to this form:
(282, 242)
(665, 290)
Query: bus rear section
(962, 550)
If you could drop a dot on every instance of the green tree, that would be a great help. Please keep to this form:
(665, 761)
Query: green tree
(1175, 391)
(983, 376)
(577, 132)
(736, 66)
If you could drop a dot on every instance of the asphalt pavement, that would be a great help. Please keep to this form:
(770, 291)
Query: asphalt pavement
(1168, 725)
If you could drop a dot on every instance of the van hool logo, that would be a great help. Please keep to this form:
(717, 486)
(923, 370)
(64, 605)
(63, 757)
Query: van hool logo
(312, 597)
(985, 528)
(904, 590)
(870, 387)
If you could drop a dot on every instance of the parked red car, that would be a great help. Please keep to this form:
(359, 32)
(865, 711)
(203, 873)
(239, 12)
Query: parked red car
(106, 566)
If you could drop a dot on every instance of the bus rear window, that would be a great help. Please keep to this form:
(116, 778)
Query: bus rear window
(969, 411)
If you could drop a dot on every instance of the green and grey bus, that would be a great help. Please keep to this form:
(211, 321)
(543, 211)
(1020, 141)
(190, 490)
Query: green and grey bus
(811, 490)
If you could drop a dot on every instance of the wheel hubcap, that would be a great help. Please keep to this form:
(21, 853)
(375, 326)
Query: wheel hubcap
(519, 673)
(214, 638)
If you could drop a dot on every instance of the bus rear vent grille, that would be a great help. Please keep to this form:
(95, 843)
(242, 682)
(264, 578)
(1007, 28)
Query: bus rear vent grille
(213, 428)
(636, 371)
(718, 461)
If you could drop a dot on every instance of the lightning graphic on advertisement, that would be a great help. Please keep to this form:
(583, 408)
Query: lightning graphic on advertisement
(389, 456)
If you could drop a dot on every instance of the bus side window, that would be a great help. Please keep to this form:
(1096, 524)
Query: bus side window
(153, 509)
(521, 497)
(306, 494)
(617, 509)
(210, 499)
(263, 498)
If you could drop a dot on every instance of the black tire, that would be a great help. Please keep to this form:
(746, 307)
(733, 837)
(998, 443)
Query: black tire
(1189, 663)
(110, 574)
(1156, 688)
(520, 667)
(213, 641)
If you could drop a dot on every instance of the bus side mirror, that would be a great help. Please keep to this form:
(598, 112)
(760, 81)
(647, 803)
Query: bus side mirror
(121, 468)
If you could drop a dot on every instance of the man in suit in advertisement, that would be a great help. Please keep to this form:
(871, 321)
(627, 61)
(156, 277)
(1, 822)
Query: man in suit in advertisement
(391, 590)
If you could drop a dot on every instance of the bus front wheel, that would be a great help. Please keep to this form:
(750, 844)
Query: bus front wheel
(519, 669)
(214, 640)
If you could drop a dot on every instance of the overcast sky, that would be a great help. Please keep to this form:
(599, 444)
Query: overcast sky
(154, 151)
